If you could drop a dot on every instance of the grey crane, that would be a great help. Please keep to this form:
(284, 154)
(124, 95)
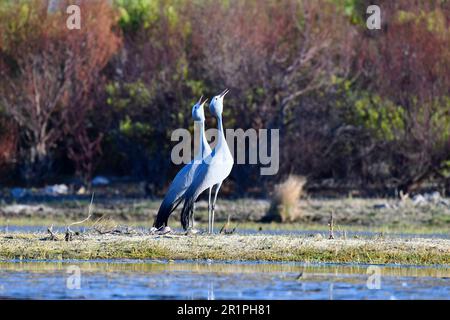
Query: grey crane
(212, 171)
(185, 176)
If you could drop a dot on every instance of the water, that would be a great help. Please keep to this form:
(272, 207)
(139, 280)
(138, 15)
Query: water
(136, 279)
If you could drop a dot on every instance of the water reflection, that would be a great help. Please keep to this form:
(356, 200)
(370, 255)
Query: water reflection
(127, 279)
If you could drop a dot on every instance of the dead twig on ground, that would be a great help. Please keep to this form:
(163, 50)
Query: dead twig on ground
(69, 233)
(225, 225)
(225, 230)
(331, 226)
(52, 235)
(101, 227)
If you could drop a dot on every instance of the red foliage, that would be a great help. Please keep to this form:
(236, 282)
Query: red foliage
(409, 64)
(9, 139)
(48, 73)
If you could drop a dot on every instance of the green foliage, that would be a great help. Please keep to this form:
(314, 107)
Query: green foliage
(353, 9)
(128, 101)
(388, 121)
(15, 30)
(440, 121)
(137, 14)
(134, 129)
(385, 119)
(124, 97)
(446, 169)
(435, 20)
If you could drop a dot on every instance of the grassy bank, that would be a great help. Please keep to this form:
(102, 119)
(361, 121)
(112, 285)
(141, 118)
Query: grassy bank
(231, 247)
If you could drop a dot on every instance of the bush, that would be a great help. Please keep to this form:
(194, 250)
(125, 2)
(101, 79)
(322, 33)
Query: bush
(365, 109)
(49, 76)
(8, 147)
(286, 195)
(406, 110)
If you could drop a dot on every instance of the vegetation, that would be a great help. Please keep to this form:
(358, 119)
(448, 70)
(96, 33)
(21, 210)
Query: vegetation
(373, 215)
(233, 247)
(285, 200)
(365, 109)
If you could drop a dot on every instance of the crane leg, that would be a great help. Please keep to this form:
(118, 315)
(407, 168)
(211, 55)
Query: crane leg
(214, 205)
(192, 216)
(209, 211)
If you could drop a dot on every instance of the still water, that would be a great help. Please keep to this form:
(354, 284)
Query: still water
(137, 279)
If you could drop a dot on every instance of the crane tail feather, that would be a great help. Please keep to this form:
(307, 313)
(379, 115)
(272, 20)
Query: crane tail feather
(164, 212)
(187, 211)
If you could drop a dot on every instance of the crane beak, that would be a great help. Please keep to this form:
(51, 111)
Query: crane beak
(224, 93)
(200, 100)
(203, 103)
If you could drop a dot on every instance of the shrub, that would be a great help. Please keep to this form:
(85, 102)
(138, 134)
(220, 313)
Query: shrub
(405, 68)
(284, 206)
(48, 74)
(8, 147)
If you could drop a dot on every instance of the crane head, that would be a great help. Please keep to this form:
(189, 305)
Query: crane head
(216, 105)
(198, 113)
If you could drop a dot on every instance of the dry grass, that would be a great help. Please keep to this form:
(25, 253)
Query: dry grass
(284, 206)
(231, 247)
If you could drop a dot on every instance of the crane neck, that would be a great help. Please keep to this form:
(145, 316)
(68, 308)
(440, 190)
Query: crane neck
(202, 141)
(221, 138)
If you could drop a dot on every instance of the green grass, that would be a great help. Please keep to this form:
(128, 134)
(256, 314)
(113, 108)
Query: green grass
(232, 247)
(350, 215)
